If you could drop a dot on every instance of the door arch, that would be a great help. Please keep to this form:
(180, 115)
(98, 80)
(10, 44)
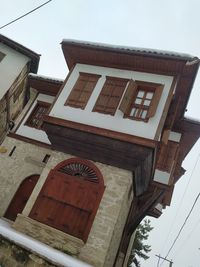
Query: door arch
(21, 197)
(70, 197)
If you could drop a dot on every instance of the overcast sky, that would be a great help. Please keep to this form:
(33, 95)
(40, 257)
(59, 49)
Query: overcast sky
(167, 25)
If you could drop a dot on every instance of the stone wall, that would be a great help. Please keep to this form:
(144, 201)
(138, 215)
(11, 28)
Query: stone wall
(103, 241)
(26, 160)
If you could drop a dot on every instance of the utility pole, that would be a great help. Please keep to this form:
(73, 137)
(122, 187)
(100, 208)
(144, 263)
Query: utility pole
(165, 259)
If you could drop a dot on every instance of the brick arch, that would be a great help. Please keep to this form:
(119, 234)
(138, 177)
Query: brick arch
(21, 197)
(70, 197)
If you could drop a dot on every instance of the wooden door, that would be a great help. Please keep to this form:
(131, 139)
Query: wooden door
(21, 197)
(68, 203)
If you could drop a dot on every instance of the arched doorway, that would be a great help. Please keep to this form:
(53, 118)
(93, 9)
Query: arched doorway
(70, 197)
(21, 197)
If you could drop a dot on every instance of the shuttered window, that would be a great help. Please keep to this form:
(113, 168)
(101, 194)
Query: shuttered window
(70, 197)
(110, 95)
(2, 55)
(82, 90)
(36, 118)
(140, 100)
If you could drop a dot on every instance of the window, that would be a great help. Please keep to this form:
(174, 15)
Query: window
(36, 118)
(70, 197)
(110, 95)
(2, 55)
(140, 100)
(82, 90)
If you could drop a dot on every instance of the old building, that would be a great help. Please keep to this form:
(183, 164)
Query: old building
(92, 155)
(16, 61)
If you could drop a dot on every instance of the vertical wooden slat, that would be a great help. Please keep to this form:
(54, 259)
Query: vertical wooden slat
(110, 95)
(68, 203)
(82, 90)
(128, 97)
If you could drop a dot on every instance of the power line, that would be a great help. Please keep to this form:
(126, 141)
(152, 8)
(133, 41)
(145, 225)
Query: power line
(187, 238)
(186, 219)
(24, 15)
(180, 203)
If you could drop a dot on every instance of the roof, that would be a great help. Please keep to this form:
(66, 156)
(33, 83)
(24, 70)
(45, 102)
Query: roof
(22, 49)
(45, 78)
(44, 84)
(129, 49)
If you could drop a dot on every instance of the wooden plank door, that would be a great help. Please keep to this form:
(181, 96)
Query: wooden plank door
(68, 203)
(21, 197)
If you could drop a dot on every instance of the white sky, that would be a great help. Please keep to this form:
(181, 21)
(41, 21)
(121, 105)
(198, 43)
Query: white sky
(167, 25)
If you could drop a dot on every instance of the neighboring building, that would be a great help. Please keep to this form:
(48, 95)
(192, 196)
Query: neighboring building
(16, 61)
(94, 154)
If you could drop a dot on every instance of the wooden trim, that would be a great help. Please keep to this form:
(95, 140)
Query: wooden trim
(29, 140)
(166, 108)
(100, 131)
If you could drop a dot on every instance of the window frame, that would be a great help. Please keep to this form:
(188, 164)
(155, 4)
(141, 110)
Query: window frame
(131, 94)
(33, 114)
(103, 92)
(77, 103)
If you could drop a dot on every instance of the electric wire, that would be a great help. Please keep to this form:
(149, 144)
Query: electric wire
(183, 225)
(180, 204)
(187, 238)
(5, 25)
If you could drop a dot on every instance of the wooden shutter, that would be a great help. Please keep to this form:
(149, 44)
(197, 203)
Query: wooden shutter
(82, 90)
(110, 95)
(128, 97)
(155, 101)
(167, 155)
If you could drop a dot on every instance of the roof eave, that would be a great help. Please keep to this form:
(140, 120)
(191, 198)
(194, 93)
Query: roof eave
(35, 58)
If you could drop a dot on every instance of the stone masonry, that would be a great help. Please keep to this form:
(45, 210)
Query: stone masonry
(102, 244)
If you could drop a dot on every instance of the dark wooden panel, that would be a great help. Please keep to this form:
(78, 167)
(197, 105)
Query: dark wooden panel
(21, 197)
(68, 203)
(106, 150)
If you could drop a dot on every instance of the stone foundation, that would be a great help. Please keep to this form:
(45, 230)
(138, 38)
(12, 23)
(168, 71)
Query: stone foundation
(101, 247)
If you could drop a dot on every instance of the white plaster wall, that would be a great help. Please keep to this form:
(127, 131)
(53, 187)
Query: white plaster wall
(34, 133)
(10, 67)
(116, 122)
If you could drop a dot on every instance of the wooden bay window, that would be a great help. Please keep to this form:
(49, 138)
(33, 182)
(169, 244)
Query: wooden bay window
(141, 100)
(82, 90)
(110, 95)
(36, 117)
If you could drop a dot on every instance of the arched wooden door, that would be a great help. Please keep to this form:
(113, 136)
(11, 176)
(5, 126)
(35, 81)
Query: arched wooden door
(21, 197)
(70, 197)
